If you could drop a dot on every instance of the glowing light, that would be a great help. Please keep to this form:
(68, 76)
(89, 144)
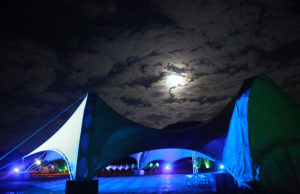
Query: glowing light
(16, 170)
(221, 166)
(38, 162)
(157, 164)
(206, 163)
(168, 166)
(175, 80)
(150, 165)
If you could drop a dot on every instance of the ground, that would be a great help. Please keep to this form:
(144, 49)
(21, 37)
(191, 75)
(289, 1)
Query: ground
(165, 183)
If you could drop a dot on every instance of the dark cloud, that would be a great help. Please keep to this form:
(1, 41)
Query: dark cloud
(283, 54)
(53, 52)
(134, 102)
(146, 81)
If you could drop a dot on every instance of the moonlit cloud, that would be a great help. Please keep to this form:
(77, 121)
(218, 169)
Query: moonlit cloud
(126, 51)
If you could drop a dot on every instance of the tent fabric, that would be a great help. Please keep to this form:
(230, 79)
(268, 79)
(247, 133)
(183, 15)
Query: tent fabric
(108, 137)
(236, 154)
(258, 127)
(274, 134)
(280, 171)
(52, 155)
(66, 140)
(168, 155)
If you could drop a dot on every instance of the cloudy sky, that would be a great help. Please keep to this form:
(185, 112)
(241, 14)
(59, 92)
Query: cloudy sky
(53, 52)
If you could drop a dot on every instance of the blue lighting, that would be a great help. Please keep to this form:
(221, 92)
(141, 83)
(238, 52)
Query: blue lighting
(168, 166)
(16, 170)
(165, 183)
(221, 166)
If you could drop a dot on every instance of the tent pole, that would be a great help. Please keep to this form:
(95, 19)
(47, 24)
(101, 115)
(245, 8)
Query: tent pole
(195, 166)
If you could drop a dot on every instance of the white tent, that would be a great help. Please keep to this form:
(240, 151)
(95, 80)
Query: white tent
(65, 141)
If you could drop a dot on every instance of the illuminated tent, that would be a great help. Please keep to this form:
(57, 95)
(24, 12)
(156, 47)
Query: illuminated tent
(65, 141)
(256, 136)
(144, 158)
(168, 155)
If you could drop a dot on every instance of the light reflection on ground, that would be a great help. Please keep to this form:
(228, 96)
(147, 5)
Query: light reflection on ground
(170, 183)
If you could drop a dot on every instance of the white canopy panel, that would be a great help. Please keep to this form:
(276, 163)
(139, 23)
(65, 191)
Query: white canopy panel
(66, 140)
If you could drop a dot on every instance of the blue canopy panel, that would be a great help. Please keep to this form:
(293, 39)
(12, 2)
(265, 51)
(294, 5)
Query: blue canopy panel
(236, 154)
(52, 155)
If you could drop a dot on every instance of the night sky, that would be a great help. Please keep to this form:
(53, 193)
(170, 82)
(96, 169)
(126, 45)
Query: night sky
(53, 52)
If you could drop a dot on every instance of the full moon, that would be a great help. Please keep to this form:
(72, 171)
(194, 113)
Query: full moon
(175, 80)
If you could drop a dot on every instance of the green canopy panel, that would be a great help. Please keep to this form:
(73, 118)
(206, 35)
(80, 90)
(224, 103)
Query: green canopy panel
(280, 170)
(274, 128)
(107, 136)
